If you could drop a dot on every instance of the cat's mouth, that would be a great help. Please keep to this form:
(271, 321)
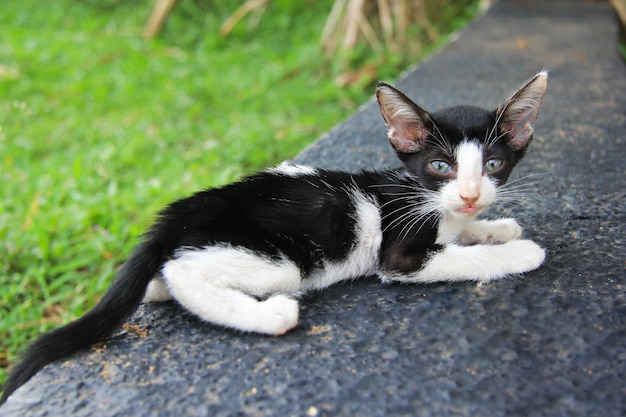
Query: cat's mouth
(469, 210)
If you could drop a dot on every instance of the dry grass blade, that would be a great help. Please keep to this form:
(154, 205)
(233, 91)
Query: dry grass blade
(158, 17)
(383, 24)
(241, 12)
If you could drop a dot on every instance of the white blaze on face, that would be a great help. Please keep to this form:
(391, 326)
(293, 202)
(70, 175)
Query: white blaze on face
(470, 192)
(469, 171)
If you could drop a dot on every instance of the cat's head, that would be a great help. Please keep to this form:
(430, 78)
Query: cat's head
(463, 152)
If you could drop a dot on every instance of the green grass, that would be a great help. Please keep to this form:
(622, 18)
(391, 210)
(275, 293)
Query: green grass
(100, 128)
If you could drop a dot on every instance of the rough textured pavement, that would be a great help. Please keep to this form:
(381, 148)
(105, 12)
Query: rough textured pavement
(550, 343)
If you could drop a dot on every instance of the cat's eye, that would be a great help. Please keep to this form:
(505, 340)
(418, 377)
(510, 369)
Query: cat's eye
(441, 167)
(493, 165)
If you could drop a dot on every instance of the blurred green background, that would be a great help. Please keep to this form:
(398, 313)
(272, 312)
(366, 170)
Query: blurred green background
(100, 127)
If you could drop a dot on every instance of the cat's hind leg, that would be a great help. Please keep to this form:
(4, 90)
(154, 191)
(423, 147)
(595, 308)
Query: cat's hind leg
(236, 288)
(157, 291)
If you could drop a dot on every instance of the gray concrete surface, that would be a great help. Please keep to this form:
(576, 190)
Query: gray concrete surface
(552, 343)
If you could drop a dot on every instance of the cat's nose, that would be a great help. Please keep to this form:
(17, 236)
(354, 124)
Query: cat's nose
(470, 200)
(469, 191)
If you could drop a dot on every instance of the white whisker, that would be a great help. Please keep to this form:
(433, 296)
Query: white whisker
(525, 177)
(520, 190)
(440, 140)
(520, 187)
(424, 220)
(421, 207)
(490, 139)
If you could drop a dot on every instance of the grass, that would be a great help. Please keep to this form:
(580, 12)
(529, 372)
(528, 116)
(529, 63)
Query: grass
(99, 128)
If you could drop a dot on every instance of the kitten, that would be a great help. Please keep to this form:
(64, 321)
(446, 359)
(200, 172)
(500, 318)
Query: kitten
(240, 256)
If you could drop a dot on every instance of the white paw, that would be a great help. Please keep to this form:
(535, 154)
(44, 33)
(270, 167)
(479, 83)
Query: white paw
(503, 230)
(279, 315)
(526, 254)
(490, 231)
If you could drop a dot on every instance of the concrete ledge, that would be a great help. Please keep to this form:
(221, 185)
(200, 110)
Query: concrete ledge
(551, 343)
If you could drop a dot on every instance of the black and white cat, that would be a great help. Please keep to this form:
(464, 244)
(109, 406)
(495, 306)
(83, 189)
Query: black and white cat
(240, 256)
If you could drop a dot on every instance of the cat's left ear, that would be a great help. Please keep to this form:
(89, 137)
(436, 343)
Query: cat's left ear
(407, 124)
(517, 115)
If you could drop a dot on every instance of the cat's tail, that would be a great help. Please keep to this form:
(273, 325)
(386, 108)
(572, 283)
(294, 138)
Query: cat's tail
(117, 304)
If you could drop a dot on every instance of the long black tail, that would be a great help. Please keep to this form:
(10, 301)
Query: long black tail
(117, 304)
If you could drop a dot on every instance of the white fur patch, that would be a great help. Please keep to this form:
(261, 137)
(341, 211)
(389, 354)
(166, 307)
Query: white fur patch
(363, 259)
(469, 158)
(221, 284)
(470, 183)
(450, 227)
(157, 291)
(292, 170)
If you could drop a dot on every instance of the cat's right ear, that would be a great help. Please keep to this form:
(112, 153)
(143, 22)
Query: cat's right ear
(517, 114)
(407, 123)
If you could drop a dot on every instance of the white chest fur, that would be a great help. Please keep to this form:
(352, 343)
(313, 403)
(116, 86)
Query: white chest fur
(363, 258)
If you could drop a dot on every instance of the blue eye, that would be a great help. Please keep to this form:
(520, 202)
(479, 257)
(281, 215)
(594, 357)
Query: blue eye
(493, 165)
(441, 167)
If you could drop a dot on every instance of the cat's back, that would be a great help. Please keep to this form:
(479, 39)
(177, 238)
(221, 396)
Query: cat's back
(282, 207)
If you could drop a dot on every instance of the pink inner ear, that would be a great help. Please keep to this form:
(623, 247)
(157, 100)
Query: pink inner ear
(407, 138)
(519, 127)
(405, 120)
(519, 139)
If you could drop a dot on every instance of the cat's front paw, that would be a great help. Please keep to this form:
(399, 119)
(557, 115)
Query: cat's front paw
(504, 230)
(527, 255)
(280, 314)
(491, 231)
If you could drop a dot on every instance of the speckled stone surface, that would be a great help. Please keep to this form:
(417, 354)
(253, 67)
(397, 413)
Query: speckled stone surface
(551, 343)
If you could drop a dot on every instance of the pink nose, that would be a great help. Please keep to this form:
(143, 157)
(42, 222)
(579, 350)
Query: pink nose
(469, 200)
